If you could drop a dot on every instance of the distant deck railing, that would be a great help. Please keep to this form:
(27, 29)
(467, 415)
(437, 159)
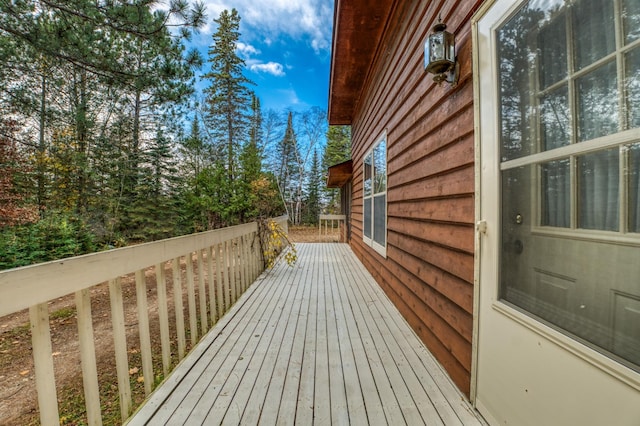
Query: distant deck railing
(227, 261)
(330, 229)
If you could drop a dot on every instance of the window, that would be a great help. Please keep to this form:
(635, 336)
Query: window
(374, 227)
(569, 93)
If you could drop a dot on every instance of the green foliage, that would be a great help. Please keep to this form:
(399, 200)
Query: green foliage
(228, 99)
(337, 150)
(57, 236)
(312, 211)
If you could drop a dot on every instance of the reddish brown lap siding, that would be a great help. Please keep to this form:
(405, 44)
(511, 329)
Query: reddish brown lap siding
(428, 272)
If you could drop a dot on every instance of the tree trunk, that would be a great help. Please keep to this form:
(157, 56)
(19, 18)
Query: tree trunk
(41, 190)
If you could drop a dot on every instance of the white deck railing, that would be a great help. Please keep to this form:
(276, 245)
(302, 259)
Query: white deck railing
(329, 221)
(227, 261)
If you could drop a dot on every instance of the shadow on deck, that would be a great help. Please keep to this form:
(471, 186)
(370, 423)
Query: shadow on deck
(316, 343)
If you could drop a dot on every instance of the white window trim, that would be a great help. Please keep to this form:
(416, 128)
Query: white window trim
(377, 247)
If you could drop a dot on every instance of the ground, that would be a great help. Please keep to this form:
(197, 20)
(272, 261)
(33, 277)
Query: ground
(18, 399)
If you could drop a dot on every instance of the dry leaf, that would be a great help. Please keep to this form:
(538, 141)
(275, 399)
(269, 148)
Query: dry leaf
(24, 372)
(141, 379)
(133, 370)
(56, 353)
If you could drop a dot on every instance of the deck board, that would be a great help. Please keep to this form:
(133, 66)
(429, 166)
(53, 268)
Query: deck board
(316, 343)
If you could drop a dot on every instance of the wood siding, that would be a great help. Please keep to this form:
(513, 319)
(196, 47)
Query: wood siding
(428, 272)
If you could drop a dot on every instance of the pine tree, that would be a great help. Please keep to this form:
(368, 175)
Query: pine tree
(287, 170)
(228, 97)
(313, 207)
(337, 150)
(250, 165)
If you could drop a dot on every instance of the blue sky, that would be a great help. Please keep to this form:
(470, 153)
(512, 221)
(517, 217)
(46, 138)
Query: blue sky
(286, 45)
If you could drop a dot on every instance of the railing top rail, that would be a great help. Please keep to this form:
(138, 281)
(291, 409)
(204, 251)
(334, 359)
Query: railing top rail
(30, 285)
(332, 217)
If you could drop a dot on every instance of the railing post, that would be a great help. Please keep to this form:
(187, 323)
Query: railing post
(243, 264)
(163, 318)
(191, 300)
(179, 307)
(202, 293)
(228, 297)
(120, 346)
(88, 357)
(43, 364)
(143, 330)
(212, 286)
(219, 285)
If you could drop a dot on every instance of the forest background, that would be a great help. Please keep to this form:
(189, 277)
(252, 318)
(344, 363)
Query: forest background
(105, 140)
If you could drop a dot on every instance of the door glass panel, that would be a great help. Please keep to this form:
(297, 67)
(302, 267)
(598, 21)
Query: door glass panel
(598, 103)
(555, 120)
(592, 41)
(599, 178)
(565, 258)
(631, 19)
(632, 85)
(516, 52)
(556, 194)
(587, 289)
(634, 188)
(552, 51)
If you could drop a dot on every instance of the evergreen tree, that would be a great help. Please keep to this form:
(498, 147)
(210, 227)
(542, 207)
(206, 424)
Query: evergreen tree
(251, 165)
(313, 208)
(337, 150)
(287, 170)
(228, 97)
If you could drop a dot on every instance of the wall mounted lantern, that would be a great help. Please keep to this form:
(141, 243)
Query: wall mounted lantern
(440, 55)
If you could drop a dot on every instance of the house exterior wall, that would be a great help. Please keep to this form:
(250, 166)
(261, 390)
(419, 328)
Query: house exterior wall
(428, 271)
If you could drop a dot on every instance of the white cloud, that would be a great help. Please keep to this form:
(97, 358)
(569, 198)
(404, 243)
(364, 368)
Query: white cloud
(272, 68)
(246, 50)
(309, 19)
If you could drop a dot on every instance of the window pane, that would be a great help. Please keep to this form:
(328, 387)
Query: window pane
(552, 52)
(555, 119)
(634, 188)
(591, 19)
(598, 183)
(556, 194)
(380, 219)
(598, 103)
(380, 174)
(367, 176)
(631, 17)
(366, 218)
(632, 84)
(515, 54)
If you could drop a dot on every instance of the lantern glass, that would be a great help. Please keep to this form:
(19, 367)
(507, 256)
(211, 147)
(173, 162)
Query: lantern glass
(439, 51)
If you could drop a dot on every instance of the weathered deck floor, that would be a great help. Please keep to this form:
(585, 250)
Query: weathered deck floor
(318, 343)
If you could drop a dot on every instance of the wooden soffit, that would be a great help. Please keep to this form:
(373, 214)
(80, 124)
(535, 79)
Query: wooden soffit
(358, 26)
(340, 174)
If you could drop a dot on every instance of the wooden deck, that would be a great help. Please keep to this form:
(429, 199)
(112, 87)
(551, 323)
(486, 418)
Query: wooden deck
(317, 343)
